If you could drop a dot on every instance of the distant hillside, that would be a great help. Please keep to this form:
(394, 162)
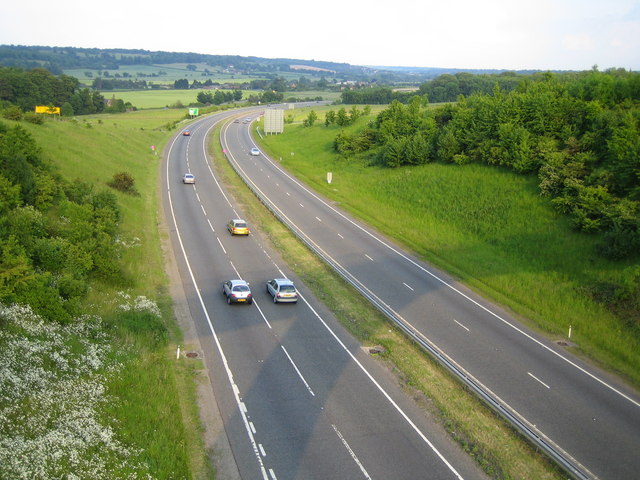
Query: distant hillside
(59, 59)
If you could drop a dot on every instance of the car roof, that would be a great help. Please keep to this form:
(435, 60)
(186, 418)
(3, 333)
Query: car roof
(237, 281)
(282, 280)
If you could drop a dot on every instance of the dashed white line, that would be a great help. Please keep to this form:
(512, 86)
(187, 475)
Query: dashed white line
(408, 286)
(262, 452)
(538, 380)
(272, 474)
(353, 455)
(203, 210)
(221, 246)
(317, 218)
(253, 428)
(341, 236)
(368, 257)
(301, 205)
(298, 371)
(461, 325)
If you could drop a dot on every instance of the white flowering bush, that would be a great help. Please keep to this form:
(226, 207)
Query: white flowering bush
(52, 388)
(138, 304)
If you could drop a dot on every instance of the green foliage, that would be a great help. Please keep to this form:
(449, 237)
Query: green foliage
(311, 119)
(123, 182)
(53, 236)
(579, 133)
(35, 118)
(12, 112)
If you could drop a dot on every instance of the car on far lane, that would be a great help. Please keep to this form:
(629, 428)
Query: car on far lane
(237, 226)
(237, 291)
(282, 290)
(188, 178)
(255, 151)
(186, 133)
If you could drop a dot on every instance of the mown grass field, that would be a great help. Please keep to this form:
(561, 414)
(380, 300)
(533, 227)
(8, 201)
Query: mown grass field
(154, 408)
(487, 226)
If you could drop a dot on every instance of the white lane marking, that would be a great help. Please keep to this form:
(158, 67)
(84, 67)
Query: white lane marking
(537, 379)
(368, 257)
(318, 219)
(353, 455)
(198, 197)
(262, 314)
(408, 286)
(298, 371)
(301, 205)
(253, 427)
(262, 452)
(221, 246)
(288, 194)
(461, 325)
(211, 226)
(341, 236)
(272, 474)
(435, 277)
(203, 210)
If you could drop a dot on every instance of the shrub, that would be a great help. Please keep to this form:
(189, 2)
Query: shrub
(123, 182)
(34, 118)
(12, 113)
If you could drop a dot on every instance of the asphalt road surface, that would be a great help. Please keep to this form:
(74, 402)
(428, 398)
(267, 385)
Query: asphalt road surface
(299, 398)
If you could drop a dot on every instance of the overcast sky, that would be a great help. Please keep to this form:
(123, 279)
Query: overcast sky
(472, 34)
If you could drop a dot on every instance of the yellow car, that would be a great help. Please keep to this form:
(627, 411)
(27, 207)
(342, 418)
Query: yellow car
(238, 226)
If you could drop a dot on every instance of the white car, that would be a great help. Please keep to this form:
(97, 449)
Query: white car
(282, 290)
(188, 178)
(255, 151)
(237, 291)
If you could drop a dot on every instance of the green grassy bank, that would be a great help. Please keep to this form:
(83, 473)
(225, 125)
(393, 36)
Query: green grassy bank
(152, 408)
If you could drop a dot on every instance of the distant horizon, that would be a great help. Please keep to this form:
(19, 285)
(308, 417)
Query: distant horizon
(371, 66)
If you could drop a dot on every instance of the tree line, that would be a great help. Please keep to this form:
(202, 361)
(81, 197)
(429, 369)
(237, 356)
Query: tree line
(580, 134)
(54, 235)
(27, 88)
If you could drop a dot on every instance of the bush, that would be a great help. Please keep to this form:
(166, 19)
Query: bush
(123, 182)
(34, 118)
(12, 113)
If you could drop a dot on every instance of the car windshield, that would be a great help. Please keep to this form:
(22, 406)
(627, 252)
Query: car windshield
(240, 224)
(240, 288)
(287, 288)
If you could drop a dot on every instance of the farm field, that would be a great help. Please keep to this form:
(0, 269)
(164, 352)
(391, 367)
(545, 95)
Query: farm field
(162, 74)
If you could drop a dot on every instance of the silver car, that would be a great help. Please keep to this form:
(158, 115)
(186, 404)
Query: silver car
(188, 178)
(237, 291)
(255, 151)
(282, 290)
